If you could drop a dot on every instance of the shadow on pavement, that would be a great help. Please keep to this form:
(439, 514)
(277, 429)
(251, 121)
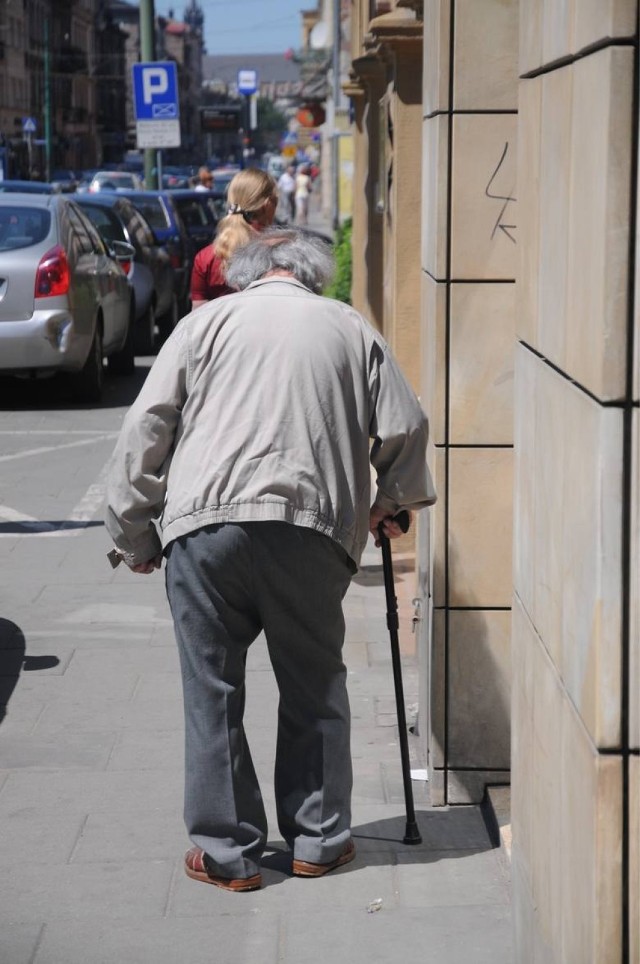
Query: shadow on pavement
(29, 527)
(451, 832)
(13, 661)
(24, 394)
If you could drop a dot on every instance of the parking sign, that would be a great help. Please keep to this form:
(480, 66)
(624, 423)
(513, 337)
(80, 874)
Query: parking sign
(156, 104)
(247, 81)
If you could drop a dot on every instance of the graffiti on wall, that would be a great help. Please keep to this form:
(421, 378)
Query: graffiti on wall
(501, 223)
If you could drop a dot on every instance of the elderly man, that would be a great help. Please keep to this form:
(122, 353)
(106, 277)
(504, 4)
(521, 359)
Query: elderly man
(250, 443)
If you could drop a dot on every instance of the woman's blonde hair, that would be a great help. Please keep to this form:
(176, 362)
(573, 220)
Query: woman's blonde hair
(248, 195)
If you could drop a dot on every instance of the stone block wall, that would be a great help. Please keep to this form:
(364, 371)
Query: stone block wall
(469, 258)
(575, 643)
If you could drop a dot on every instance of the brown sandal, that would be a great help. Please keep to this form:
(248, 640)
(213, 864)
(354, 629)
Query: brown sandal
(195, 867)
(304, 868)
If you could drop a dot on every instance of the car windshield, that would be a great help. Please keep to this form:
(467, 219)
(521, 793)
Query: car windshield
(22, 227)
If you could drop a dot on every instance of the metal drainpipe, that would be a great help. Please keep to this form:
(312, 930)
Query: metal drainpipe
(47, 103)
(335, 152)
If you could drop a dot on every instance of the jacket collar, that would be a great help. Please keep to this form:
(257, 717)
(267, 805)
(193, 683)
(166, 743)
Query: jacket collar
(279, 280)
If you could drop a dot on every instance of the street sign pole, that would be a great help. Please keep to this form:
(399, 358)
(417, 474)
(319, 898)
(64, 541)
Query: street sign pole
(148, 53)
(247, 87)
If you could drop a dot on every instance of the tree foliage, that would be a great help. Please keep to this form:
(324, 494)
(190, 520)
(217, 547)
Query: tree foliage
(340, 288)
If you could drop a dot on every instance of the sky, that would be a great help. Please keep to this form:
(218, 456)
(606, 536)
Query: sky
(246, 26)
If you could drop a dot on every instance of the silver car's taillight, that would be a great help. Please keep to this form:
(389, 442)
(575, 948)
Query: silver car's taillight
(53, 276)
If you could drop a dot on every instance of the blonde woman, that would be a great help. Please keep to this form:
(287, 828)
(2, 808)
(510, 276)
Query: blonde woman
(252, 201)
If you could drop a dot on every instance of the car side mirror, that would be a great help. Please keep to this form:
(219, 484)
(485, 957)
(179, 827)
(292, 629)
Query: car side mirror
(121, 250)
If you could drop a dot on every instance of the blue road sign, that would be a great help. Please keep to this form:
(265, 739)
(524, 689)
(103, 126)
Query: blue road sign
(155, 91)
(247, 81)
(29, 125)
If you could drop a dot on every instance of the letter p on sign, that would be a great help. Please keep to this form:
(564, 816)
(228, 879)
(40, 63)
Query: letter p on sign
(155, 81)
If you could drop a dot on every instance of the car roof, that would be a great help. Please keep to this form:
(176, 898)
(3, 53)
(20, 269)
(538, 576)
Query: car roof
(188, 192)
(28, 187)
(140, 192)
(115, 174)
(106, 199)
(34, 200)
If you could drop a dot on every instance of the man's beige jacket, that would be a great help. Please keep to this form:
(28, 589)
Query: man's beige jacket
(261, 406)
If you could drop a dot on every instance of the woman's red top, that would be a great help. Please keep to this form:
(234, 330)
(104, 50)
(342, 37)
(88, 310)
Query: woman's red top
(207, 277)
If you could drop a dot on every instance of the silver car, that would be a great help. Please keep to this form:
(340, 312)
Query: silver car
(114, 181)
(65, 302)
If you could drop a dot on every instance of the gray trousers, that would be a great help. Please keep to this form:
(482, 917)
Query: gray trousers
(225, 584)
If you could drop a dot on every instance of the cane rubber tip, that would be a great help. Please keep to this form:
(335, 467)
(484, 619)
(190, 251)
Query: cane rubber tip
(412, 834)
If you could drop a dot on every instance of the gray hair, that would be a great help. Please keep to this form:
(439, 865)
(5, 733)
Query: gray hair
(308, 258)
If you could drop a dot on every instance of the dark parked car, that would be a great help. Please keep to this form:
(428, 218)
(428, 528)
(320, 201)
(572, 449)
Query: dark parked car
(222, 178)
(174, 176)
(150, 271)
(160, 210)
(29, 187)
(65, 302)
(64, 180)
(200, 212)
(171, 181)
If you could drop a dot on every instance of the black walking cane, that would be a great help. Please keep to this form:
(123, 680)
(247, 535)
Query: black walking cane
(411, 833)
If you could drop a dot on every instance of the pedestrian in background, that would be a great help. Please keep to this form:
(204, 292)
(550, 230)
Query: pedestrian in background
(205, 180)
(250, 443)
(252, 201)
(287, 190)
(303, 190)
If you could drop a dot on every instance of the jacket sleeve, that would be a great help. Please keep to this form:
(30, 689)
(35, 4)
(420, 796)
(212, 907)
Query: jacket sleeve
(137, 481)
(400, 432)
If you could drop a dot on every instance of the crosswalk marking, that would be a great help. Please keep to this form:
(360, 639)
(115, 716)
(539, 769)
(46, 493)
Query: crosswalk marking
(44, 449)
(79, 518)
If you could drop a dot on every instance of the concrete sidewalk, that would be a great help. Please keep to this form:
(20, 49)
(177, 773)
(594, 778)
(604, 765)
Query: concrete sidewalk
(91, 835)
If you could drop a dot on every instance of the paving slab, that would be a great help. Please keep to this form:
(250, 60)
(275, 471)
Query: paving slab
(124, 837)
(18, 942)
(451, 878)
(216, 939)
(153, 749)
(106, 890)
(440, 935)
(82, 750)
(31, 828)
(94, 791)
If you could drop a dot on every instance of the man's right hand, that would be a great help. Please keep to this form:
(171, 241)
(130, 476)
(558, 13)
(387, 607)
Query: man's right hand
(144, 568)
(391, 529)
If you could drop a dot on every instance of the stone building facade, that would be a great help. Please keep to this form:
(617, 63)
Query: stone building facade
(505, 276)
(576, 648)
(73, 61)
(48, 56)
